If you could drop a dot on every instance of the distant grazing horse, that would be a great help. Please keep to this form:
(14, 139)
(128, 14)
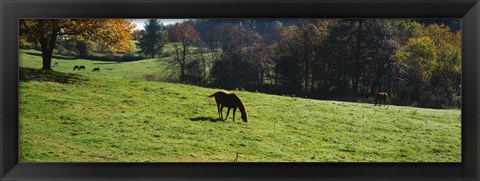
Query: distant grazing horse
(96, 70)
(81, 67)
(229, 100)
(55, 64)
(381, 96)
(75, 67)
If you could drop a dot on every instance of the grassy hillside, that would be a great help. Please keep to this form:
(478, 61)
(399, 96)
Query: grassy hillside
(111, 69)
(103, 117)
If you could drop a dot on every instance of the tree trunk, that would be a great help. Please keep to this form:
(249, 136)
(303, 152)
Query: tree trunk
(376, 84)
(182, 64)
(47, 45)
(276, 70)
(82, 49)
(204, 67)
(307, 66)
(354, 86)
(35, 45)
(182, 73)
(46, 57)
(357, 59)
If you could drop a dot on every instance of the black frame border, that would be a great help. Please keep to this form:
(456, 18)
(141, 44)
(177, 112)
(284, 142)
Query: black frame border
(12, 10)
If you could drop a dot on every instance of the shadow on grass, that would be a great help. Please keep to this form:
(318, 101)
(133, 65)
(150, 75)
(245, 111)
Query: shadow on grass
(53, 56)
(206, 119)
(29, 74)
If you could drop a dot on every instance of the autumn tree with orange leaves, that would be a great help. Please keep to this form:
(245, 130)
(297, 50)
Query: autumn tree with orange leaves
(111, 35)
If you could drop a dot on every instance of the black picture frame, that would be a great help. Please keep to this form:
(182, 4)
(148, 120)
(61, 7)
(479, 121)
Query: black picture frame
(11, 11)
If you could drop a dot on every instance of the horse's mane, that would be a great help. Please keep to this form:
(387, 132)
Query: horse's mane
(224, 91)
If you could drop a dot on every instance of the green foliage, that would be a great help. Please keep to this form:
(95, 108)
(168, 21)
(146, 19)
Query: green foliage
(360, 50)
(420, 56)
(193, 72)
(433, 61)
(288, 70)
(450, 59)
(452, 24)
(83, 50)
(152, 38)
(404, 29)
(232, 71)
(233, 50)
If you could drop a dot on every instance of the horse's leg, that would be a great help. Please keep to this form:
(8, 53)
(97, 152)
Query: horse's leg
(234, 110)
(228, 111)
(221, 111)
(218, 111)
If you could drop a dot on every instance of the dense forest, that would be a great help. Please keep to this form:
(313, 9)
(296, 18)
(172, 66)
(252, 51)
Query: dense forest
(416, 61)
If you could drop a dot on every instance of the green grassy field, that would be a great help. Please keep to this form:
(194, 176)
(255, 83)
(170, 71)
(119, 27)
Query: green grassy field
(116, 116)
(108, 69)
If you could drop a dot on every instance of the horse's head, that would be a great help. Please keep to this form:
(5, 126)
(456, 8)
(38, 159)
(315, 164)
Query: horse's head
(244, 117)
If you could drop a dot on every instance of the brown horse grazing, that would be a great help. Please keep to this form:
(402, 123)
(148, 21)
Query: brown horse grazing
(229, 100)
(381, 96)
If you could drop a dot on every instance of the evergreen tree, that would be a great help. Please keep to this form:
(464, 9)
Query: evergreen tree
(153, 38)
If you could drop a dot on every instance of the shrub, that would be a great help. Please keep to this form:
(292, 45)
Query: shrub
(127, 57)
(167, 54)
(130, 56)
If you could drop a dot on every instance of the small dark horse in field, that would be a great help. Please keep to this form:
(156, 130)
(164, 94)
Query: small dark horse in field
(55, 64)
(96, 70)
(75, 67)
(229, 100)
(381, 96)
(81, 67)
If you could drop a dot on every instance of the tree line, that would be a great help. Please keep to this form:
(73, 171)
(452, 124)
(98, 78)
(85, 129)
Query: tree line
(416, 61)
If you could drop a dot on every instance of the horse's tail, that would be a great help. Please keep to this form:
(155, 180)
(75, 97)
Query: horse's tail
(213, 95)
(219, 92)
